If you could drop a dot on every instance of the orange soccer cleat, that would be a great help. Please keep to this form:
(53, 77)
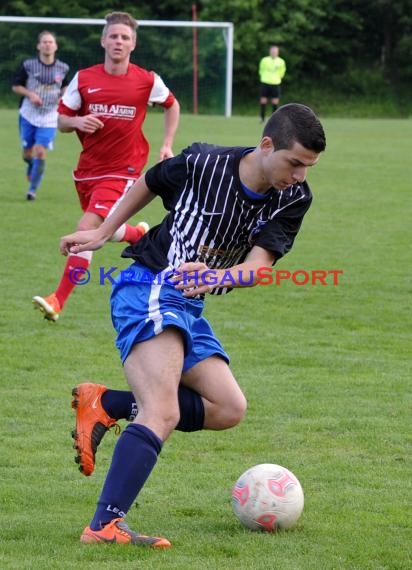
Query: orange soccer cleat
(117, 532)
(92, 422)
(49, 306)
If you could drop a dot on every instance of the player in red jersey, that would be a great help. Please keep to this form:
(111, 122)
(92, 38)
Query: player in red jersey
(106, 105)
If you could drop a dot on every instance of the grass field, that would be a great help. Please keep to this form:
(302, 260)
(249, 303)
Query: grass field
(326, 370)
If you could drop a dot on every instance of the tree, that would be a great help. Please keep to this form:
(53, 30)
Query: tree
(359, 46)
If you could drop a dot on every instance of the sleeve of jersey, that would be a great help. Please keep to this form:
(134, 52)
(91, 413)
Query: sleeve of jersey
(65, 81)
(71, 100)
(279, 234)
(20, 77)
(167, 179)
(160, 94)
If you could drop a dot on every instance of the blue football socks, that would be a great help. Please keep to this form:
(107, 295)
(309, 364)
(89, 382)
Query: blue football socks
(119, 405)
(36, 174)
(29, 163)
(192, 410)
(134, 457)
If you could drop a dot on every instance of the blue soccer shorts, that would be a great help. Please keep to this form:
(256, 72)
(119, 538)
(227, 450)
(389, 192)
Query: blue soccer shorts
(144, 304)
(31, 135)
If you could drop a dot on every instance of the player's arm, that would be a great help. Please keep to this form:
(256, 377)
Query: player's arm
(273, 242)
(24, 92)
(283, 69)
(161, 95)
(136, 198)
(171, 122)
(64, 84)
(195, 278)
(19, 87)
(63, 90)
(261, 66)
(68, 120)
(85, 123)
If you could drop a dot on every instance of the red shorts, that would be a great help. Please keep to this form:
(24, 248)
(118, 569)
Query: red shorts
(102, 196)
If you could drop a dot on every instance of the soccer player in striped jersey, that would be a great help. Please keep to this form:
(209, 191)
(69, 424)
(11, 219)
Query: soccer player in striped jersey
(40, 82)
(233, 212)
(106, 106)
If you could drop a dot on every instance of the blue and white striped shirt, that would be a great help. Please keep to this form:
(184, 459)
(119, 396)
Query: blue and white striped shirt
(47, 81)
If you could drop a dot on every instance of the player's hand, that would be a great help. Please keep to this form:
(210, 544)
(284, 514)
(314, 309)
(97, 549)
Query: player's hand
(193, 279)
(86, 240)
(89, 124)
(165, 152)
(35, 99)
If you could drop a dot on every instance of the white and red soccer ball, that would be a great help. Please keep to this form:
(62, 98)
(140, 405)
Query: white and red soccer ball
(268, 497)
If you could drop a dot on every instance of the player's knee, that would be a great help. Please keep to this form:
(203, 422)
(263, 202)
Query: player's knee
(239, 410)
(171, 418)
(234, 412)
(161, 421)
(168, 416)
(39, 152)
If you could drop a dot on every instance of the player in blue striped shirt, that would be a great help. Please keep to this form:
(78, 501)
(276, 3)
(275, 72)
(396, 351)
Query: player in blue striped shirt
(40, 82)
(232, 212)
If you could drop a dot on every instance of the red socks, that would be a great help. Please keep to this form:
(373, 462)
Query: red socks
(75, 272)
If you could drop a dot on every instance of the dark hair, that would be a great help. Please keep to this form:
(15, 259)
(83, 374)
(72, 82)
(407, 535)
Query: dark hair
(295, 123)
(120, 18)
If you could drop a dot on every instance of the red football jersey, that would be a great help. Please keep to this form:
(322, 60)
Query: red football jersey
(120, 148)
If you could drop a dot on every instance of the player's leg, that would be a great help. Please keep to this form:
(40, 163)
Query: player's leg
(27, 140)
(275, 98)
(98, 409)
(75, 272)
(77, 265)
(206, 372)
(208, 395)
(103, 407)
(263, 101)
(44, 137)
(223, 401)
(105, 200)
(153, 369)
(37, 166)
(97, 200)
(275, 104)
(27, 157)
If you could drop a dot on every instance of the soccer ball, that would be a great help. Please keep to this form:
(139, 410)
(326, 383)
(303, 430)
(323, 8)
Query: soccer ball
(267, 497)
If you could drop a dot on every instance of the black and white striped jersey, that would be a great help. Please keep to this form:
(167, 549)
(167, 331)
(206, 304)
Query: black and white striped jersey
(47, 81)
(211, 217)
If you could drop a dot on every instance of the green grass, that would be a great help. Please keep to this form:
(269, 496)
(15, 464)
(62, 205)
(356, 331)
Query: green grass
(326, 370)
